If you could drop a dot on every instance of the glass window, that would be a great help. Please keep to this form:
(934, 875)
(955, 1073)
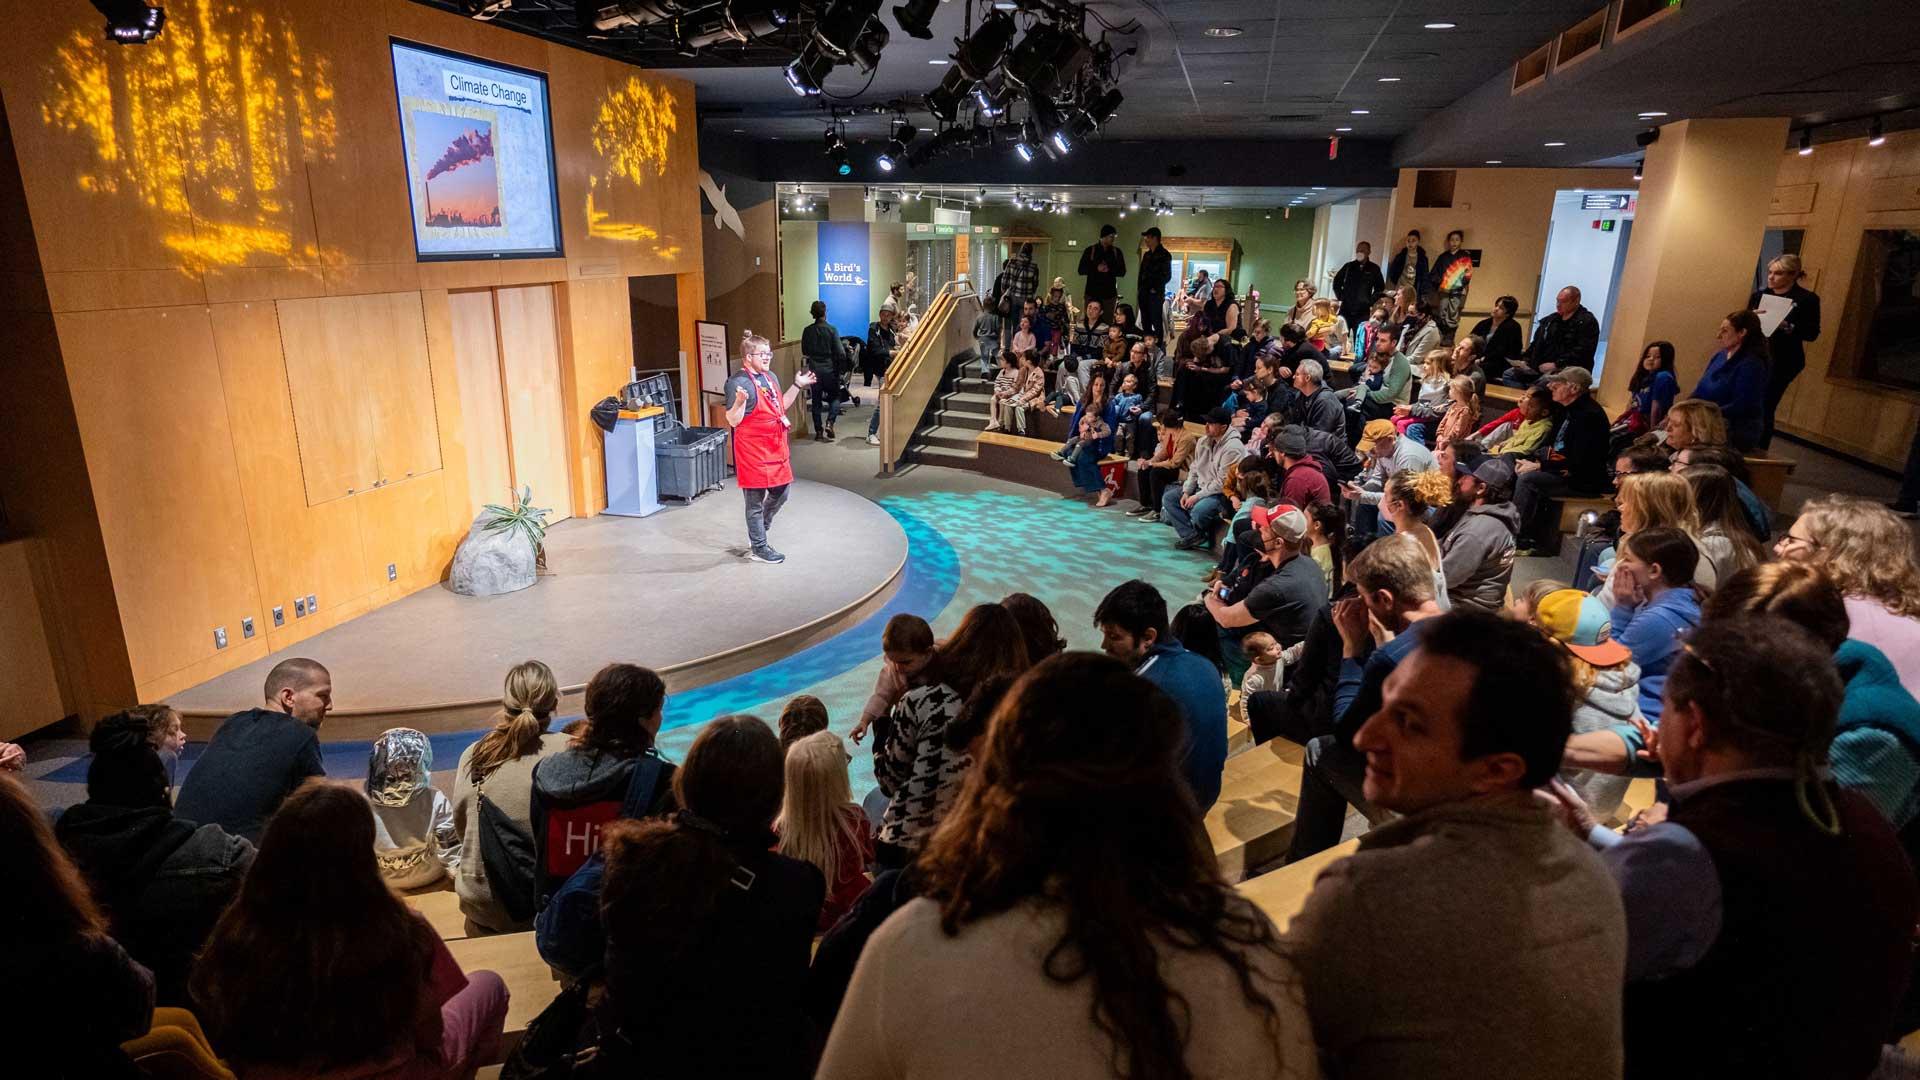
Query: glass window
(1886, 303)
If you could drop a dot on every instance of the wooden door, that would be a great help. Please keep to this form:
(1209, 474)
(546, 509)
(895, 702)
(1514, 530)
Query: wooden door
(530, 384)
(483, 409)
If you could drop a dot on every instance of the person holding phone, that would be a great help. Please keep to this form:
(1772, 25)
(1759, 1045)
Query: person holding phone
(762, 460)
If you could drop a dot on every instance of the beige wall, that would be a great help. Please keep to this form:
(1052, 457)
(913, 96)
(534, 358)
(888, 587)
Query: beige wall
(180, 193)
(1854, 187)
(1504, 212)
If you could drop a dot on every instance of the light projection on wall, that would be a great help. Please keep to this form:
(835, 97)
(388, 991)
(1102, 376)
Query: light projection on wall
(205, 126)
(631, 134)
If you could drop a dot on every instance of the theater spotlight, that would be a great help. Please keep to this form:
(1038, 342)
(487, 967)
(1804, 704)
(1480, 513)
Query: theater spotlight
(741, 21)
(895, 152)
(972, 59)
(1046, 57)
(991, 96)
(915, 17)
(837, 152)
(869, 45)
(809, 70)
(130, 22)
(1029, 138)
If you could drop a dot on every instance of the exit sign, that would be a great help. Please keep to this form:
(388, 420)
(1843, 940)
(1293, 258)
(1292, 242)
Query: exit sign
(1603, 202)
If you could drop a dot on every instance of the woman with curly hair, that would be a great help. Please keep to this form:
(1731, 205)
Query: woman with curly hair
(1868, 552)
(1072, 922)
(1409, 496)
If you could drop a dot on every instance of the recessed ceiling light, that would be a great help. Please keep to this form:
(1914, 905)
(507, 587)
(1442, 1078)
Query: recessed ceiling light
(1226, 82)
(739, 131)
(1651, 115)
(1493, 161)
(1319, 187)
(1439, 26)
(1361, 112)
(941, 62)
(1389, 78)
(1211, 31)
(1343, 129)
(1553, 144)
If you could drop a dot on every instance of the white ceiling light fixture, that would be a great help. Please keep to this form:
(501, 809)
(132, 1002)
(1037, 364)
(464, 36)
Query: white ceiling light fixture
(1215, 31)
(940, 62)
(1493, 161)
(1553, 144)
(1319, 187)
(1343, 129)
(1652, 114)
(1389, 78)
(1362, 112)
(1440, 26)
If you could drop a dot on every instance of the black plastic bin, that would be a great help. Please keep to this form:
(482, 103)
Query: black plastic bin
(690, 461)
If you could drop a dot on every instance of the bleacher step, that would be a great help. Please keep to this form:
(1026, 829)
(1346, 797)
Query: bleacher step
(947, 437)
(970, 421)
(945, 456)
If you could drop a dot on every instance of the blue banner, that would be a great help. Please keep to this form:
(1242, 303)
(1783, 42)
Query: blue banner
(843, 280)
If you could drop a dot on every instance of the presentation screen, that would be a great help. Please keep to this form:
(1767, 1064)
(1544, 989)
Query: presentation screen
(479, 146)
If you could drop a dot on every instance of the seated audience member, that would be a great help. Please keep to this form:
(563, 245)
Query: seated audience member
(415, 839)
(160, 880)
(1129, 409)
(1653, 500)
(1367, 402)
(1037, 626)
(12, 757)
(1759, 516)
(1196, 506)
(1477, 537)
(1132, 619)
(1327, 331)
(1394, 588)
(1566, 338)
(1162, 469)
(1265, 664)
(1067, 390)
(258, 757)
(1326, 530)
(1196, 632)
(820, 823)
(1472, 937)
(1430, 396)
(1249, 485)
(1316, 406)
(708, 930)
(1387, 453)
(1007, 384)
(1652, 389)
(1463, 412)
(905, 647)
(919, 772)
(1029, 392)
(1606, 685)
(1771, 913)
(1181, 978)
(1285, 600)
(1726, 541)
(1534, 424)
(1302, 483)
(1410, 499)
(803, 715)
(1868, 551)
(1502, 334)
(493, 793)
(1658, 604)
(1695, 423)
(1876, 740)
(71, 994)
(1736, 379)
(318, 969)
(593, 781)
(1574, 460)
(1526, 603)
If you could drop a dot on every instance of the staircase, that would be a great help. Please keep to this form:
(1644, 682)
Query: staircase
(949, 433)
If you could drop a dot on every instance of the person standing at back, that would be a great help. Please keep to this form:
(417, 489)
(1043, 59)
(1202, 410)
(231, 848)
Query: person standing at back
(1408, 269)
(823, 353)
(1472, 937)
(1156, 269)
(1787, 345)
(1017, 285)
(1357, 283)
(1102, 264)
(258, 757)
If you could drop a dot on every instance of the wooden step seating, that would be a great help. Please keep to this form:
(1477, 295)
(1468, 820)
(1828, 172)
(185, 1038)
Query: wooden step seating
(1768, 478)
(1239, 735)
(1282, 893)
(441, 906)
(531, 985)
(1252, 823)
(1023, 459)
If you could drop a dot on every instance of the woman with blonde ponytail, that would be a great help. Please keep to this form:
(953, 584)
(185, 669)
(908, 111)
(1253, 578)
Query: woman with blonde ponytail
(819, 822)
(493, 793)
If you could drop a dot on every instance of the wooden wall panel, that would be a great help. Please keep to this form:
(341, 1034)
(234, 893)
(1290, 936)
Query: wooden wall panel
(160, 455)
(457, 432)
(530, 376)
(327, 343)
(30, 695)
(476, 352)
(405, 524)
(594, 335)
(397, 384)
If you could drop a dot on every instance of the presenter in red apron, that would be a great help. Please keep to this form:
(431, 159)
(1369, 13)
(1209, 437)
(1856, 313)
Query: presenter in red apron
(757, 412)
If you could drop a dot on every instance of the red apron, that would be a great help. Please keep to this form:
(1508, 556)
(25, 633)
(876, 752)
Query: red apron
(760, 457)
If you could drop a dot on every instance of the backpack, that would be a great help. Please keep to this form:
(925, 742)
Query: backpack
(507, 855)
(567, 929)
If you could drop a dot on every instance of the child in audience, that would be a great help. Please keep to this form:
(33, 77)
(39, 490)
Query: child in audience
(1093, 427)
(1158, 357)
(1536, 423)
(1606, 684)
(803, 716)
(1521, 605)
(1023, 339)
(1326, 529)
(907, 645)
(1114, 349)
(318, 969)
(1127, 407)
(1265, 663)
(1067, 390)
(819, 822)
(415, 839)
(1006, 384)
(1462, 413)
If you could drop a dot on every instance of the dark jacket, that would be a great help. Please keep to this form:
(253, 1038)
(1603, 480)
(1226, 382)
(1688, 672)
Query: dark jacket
(583, 788)
(1332, 446)
(1477, 555)
(1582, 441)
(1355, 285)
(879, 351)
(162, 880)
(1100, 283)
(820, 347)
(841, 946)
(69, 1004)
(1568, 342)
(1504, 345)
(254, 762)
(1787, 345)
(1322, 412)
(1813, 952)
(1422, 273)
(735, 1003)
(1156, 269)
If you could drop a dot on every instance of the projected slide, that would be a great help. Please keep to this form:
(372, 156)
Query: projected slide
(479, 148)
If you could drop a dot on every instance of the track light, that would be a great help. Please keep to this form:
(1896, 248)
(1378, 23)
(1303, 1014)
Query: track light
(915, 17)
(1876, 135)
(895, 152)
(809, 70)
(130, 22)
(837, 152)
(1806, 142)
(741, 21)
(980, 197)
(1639, 168)
(1046, 57)
(973, 59)
(869, 45)
(1029, 138)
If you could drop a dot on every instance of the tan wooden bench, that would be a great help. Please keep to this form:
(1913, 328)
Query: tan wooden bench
(1252, 822)
(441, 906)
(531, 986)
(1512, 395)
(1023, 459)
(1768, 478)
(1282, 893)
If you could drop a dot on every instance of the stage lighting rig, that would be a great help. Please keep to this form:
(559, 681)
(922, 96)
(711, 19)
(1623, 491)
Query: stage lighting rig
(130, 22)
(915, 17)
(1048, 56)
(837, 151)
(808, 70)
(895, 152)
(973, 60)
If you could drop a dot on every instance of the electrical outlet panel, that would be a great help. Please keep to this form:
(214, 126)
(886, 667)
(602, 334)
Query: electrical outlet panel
(313, 603)
(279, 616)
(246, 627)
(393, 572)
(299, 607)
(219, 637)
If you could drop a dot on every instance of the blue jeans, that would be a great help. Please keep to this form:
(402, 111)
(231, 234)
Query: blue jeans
(762, 504)
(1198, 521)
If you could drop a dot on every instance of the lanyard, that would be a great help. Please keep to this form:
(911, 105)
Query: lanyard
(773, 400)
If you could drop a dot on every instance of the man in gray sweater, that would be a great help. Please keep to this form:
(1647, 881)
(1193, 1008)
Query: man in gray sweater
(1473, 937)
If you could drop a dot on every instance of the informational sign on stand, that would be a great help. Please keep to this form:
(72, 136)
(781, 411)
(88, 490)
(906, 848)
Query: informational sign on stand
(711, 340)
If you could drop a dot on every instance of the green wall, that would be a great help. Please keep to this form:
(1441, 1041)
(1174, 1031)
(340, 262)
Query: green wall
(1272, 256)
(799, 273)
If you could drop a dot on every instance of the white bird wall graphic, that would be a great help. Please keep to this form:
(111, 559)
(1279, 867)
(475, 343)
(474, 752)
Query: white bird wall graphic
(724, 216)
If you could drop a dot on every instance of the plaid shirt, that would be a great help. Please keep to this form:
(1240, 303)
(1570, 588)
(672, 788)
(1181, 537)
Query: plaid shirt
(1022, 280)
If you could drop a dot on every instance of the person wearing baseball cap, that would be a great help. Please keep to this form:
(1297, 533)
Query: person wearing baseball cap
(1573, 459)
(1388, 453)
(1476, 552)
(1302, 484)
(1605, 678)
(1156, 270)
(1287, 600)
(1197, 505)
(1102, 264)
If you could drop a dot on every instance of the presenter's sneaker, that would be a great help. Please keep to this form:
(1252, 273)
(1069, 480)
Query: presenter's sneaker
(766, 555)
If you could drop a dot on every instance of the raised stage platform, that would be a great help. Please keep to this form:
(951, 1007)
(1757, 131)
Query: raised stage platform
(672, 591)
